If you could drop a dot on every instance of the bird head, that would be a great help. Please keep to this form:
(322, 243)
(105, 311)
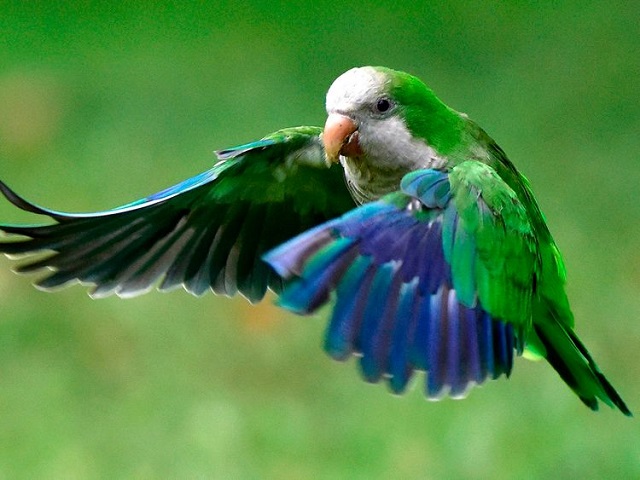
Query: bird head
(388, 119)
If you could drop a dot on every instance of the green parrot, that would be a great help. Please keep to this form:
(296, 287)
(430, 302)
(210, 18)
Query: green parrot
(402, 212)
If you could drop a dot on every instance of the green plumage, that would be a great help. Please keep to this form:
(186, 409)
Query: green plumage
(519, 272)
(506, 266)
(449, 268)
(208, 232)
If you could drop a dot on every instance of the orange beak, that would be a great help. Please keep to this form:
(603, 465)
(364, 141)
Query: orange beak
(340, 137)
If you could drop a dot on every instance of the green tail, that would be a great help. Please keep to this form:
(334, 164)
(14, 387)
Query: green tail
(571, 359)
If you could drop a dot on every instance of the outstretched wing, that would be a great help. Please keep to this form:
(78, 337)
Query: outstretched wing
(438, 277)
(207, 232)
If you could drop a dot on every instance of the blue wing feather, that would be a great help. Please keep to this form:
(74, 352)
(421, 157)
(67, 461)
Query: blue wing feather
(311, 291)
(389, 263)
(399, 367)
(470, 358)
(454, 376)
(376, 322)
(432, 268)
(342, 334)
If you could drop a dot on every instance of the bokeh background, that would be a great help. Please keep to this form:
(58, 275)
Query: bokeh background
(101, 104)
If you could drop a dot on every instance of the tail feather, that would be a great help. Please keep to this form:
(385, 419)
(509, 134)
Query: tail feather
(573, 362)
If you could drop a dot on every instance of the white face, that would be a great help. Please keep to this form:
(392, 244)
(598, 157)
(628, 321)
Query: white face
(384, 137)
(355, 89)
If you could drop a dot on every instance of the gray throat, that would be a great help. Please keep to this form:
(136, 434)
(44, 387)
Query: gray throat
(367, 184)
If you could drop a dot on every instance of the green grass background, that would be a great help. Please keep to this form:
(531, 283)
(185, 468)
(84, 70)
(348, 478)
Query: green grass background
(101, 104)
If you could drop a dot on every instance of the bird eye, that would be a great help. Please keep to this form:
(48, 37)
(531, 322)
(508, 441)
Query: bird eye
(383, 105)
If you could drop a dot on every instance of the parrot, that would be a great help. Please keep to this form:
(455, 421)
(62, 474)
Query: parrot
(401, 213)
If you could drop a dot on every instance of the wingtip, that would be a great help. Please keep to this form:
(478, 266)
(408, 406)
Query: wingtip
(11, 195)
(23, 204)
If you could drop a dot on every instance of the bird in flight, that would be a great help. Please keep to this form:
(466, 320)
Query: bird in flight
(401, 212)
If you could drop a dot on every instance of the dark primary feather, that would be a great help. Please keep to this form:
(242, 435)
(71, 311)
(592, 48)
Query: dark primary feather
(208, 232)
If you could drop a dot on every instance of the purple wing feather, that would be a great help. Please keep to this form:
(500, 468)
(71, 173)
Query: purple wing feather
(395, 302)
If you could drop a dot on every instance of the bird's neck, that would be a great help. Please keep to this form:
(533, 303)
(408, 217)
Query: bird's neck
(367, 181)
(367, 184)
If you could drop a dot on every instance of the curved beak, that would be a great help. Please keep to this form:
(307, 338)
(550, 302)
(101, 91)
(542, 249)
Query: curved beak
(340, 137)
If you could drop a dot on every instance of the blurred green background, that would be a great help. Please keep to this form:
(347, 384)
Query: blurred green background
(100, 105)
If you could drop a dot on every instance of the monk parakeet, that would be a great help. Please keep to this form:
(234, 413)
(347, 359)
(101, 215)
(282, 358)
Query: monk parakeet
(401, 212)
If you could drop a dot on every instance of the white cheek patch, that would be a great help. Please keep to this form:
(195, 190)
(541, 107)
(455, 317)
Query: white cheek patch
(389, 144)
